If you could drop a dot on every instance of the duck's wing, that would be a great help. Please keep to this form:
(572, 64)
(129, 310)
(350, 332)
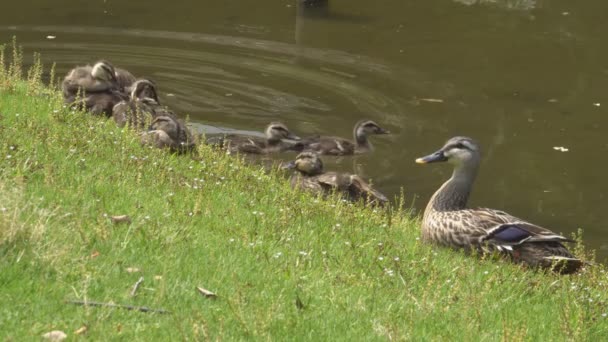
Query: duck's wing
(507, 230)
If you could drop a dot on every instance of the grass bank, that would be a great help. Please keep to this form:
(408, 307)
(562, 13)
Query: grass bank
(283, 264)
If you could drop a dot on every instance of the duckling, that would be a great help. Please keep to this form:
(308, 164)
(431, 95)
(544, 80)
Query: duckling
(141, 108)
(98, 86)
(275, 133)
(168, 131)
(311, 177)
(338, 146)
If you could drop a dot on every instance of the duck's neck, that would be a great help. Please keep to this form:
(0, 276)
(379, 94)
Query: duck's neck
(454, 194)
(361, 139)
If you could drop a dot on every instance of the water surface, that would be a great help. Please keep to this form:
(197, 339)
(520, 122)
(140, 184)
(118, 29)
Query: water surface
(520, 76)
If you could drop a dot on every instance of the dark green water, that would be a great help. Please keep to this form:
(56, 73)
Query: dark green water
(521, 77)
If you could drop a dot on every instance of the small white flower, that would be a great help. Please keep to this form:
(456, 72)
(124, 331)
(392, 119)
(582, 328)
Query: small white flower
(3, 209)
(396, 259)
(337, 225)
(190, 214)
(485, 272)
(324, 252)
(11, 147)
(302, 253)
(604, 314)
(147, 217)
(231, 240)
(380, 258)
(251, 244)
(380, 244)
(105, 215)
(8, 156)
(277, 255)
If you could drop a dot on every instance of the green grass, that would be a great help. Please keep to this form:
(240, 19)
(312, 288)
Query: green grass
(285, 266)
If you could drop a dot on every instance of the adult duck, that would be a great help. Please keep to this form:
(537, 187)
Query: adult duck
(448, 221)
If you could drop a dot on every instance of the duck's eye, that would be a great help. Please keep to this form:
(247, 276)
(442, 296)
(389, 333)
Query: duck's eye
(460, 146)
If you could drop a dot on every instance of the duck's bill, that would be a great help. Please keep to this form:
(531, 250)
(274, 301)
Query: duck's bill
(288, 166)
(384, 131)
(432, 158)
(293, 137)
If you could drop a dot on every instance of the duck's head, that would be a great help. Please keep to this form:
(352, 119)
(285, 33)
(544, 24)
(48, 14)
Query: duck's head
(307, 163)
(144, 88)
(366, 127)
(104, 70)
(277, 131)
(457, 151)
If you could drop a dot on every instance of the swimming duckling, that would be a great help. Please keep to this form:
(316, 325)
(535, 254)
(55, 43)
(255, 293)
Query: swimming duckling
(311, 177)
(141, 108)
(275, 133)
(340, 146)
(168, 131)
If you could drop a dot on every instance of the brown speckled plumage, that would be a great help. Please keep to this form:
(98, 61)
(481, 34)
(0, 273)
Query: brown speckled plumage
(96, 88)
(278, 138)
(141, 108)
(311, 177)
(340, 146)
(447, 221)
(169, 132)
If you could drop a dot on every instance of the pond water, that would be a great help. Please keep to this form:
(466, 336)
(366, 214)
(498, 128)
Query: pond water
(520, 76)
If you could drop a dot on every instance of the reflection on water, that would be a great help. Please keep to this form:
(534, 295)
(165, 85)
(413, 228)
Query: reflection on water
(521, 5)
(519, 76)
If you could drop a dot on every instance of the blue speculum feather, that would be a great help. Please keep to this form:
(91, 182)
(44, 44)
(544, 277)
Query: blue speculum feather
(511, 233)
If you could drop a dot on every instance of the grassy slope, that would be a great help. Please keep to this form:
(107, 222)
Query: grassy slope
(212, 221)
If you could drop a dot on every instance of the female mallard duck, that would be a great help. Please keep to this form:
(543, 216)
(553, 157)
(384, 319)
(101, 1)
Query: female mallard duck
(141, 108)
(100, 87)
(339, 146)
(310, 176)
(169, 132)
(275, 133)
(447, 220)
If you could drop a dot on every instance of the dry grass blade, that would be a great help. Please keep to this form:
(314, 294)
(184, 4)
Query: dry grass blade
(120, 219)
(206, 292)
(136, 286)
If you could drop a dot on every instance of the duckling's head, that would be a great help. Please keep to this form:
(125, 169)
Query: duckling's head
(366, 127)
(144, 88)
(457, 151)
(104, 70)
(307, 163)
(277, 131)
